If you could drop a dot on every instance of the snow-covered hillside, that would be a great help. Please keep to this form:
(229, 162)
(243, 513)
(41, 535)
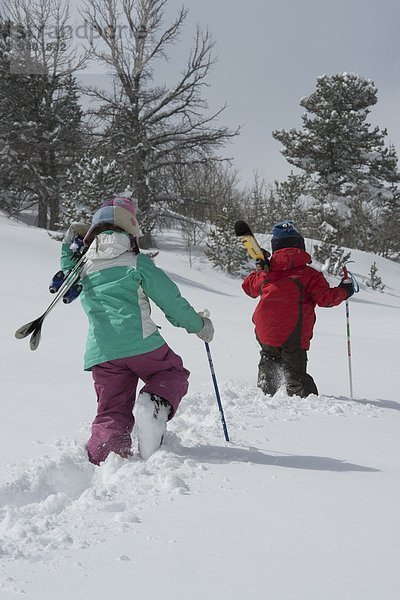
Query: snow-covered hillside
(302, 504)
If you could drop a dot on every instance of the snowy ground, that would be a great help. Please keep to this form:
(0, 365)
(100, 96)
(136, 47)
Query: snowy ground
(302, 504)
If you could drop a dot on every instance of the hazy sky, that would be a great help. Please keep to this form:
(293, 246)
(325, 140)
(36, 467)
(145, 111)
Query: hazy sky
(270, 53)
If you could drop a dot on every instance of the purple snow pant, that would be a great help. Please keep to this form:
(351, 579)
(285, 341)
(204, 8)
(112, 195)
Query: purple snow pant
(115, 383)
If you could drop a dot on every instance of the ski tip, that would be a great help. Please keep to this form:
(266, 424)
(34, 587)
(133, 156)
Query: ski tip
(25, 330)
(34, 328)
(242, 228)
(35, 339)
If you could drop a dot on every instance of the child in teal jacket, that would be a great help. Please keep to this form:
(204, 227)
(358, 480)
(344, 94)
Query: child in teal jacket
(123, 343)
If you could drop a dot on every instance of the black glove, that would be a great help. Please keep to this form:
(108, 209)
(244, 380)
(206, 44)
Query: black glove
(348, 286)
(263, 264)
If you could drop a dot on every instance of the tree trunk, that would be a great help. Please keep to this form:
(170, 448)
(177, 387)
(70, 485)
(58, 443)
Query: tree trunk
(143, 195)
(54, 206)
(42, 213)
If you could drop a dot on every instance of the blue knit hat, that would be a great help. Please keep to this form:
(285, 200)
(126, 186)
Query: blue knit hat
(284, 235)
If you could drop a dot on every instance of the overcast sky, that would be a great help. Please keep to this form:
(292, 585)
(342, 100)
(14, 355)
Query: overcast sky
(270, 53)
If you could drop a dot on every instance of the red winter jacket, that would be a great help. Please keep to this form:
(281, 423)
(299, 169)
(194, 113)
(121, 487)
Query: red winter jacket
(285, 314)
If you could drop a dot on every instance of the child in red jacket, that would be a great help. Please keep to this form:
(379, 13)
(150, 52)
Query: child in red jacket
(284, 318)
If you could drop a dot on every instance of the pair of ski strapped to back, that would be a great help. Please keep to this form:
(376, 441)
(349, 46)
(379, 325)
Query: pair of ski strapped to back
(35, 327)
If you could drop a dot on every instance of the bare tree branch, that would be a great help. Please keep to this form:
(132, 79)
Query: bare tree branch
(48, 36)
(147, 124)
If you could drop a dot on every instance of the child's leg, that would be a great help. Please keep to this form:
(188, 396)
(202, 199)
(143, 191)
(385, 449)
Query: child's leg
(166, 382)
(163, 373)
(115, 386)
(298, 381)
(270, 376)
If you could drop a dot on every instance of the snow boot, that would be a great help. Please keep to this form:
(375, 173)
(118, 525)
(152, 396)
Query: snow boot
(151, 415)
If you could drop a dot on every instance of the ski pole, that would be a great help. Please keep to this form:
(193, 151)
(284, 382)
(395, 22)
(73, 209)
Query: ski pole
(221, 410)
(349, 277)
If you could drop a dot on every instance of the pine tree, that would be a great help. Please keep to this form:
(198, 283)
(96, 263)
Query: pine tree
(40, 114)
(343, 157)
(222, 248)
(17, 130)
(89, 181)
(60, 138)
(386, 226)
(374, 282)
(290, 199)
(330, 254)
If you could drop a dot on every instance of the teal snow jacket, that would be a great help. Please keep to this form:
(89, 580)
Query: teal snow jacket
(117, 285)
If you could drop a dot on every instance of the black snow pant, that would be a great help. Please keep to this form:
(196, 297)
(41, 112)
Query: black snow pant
(279, 366)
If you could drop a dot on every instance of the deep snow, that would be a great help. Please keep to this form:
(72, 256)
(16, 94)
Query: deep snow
(302, 504)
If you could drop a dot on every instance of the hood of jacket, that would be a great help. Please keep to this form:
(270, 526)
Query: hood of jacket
(108, 245)
(289, 258)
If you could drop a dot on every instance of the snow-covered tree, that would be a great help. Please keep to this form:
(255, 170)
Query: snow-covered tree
(329, 253)
(40, 115)
(291, 200)
(374, 282)
(90, 180)
(222, 247)
(386, 225)
(15, 129)
(342, 155)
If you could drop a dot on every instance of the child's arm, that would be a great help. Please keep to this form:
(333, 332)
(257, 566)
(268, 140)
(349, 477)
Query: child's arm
(74, 235)
(323, 294)
(253, 283)
(165, 293)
